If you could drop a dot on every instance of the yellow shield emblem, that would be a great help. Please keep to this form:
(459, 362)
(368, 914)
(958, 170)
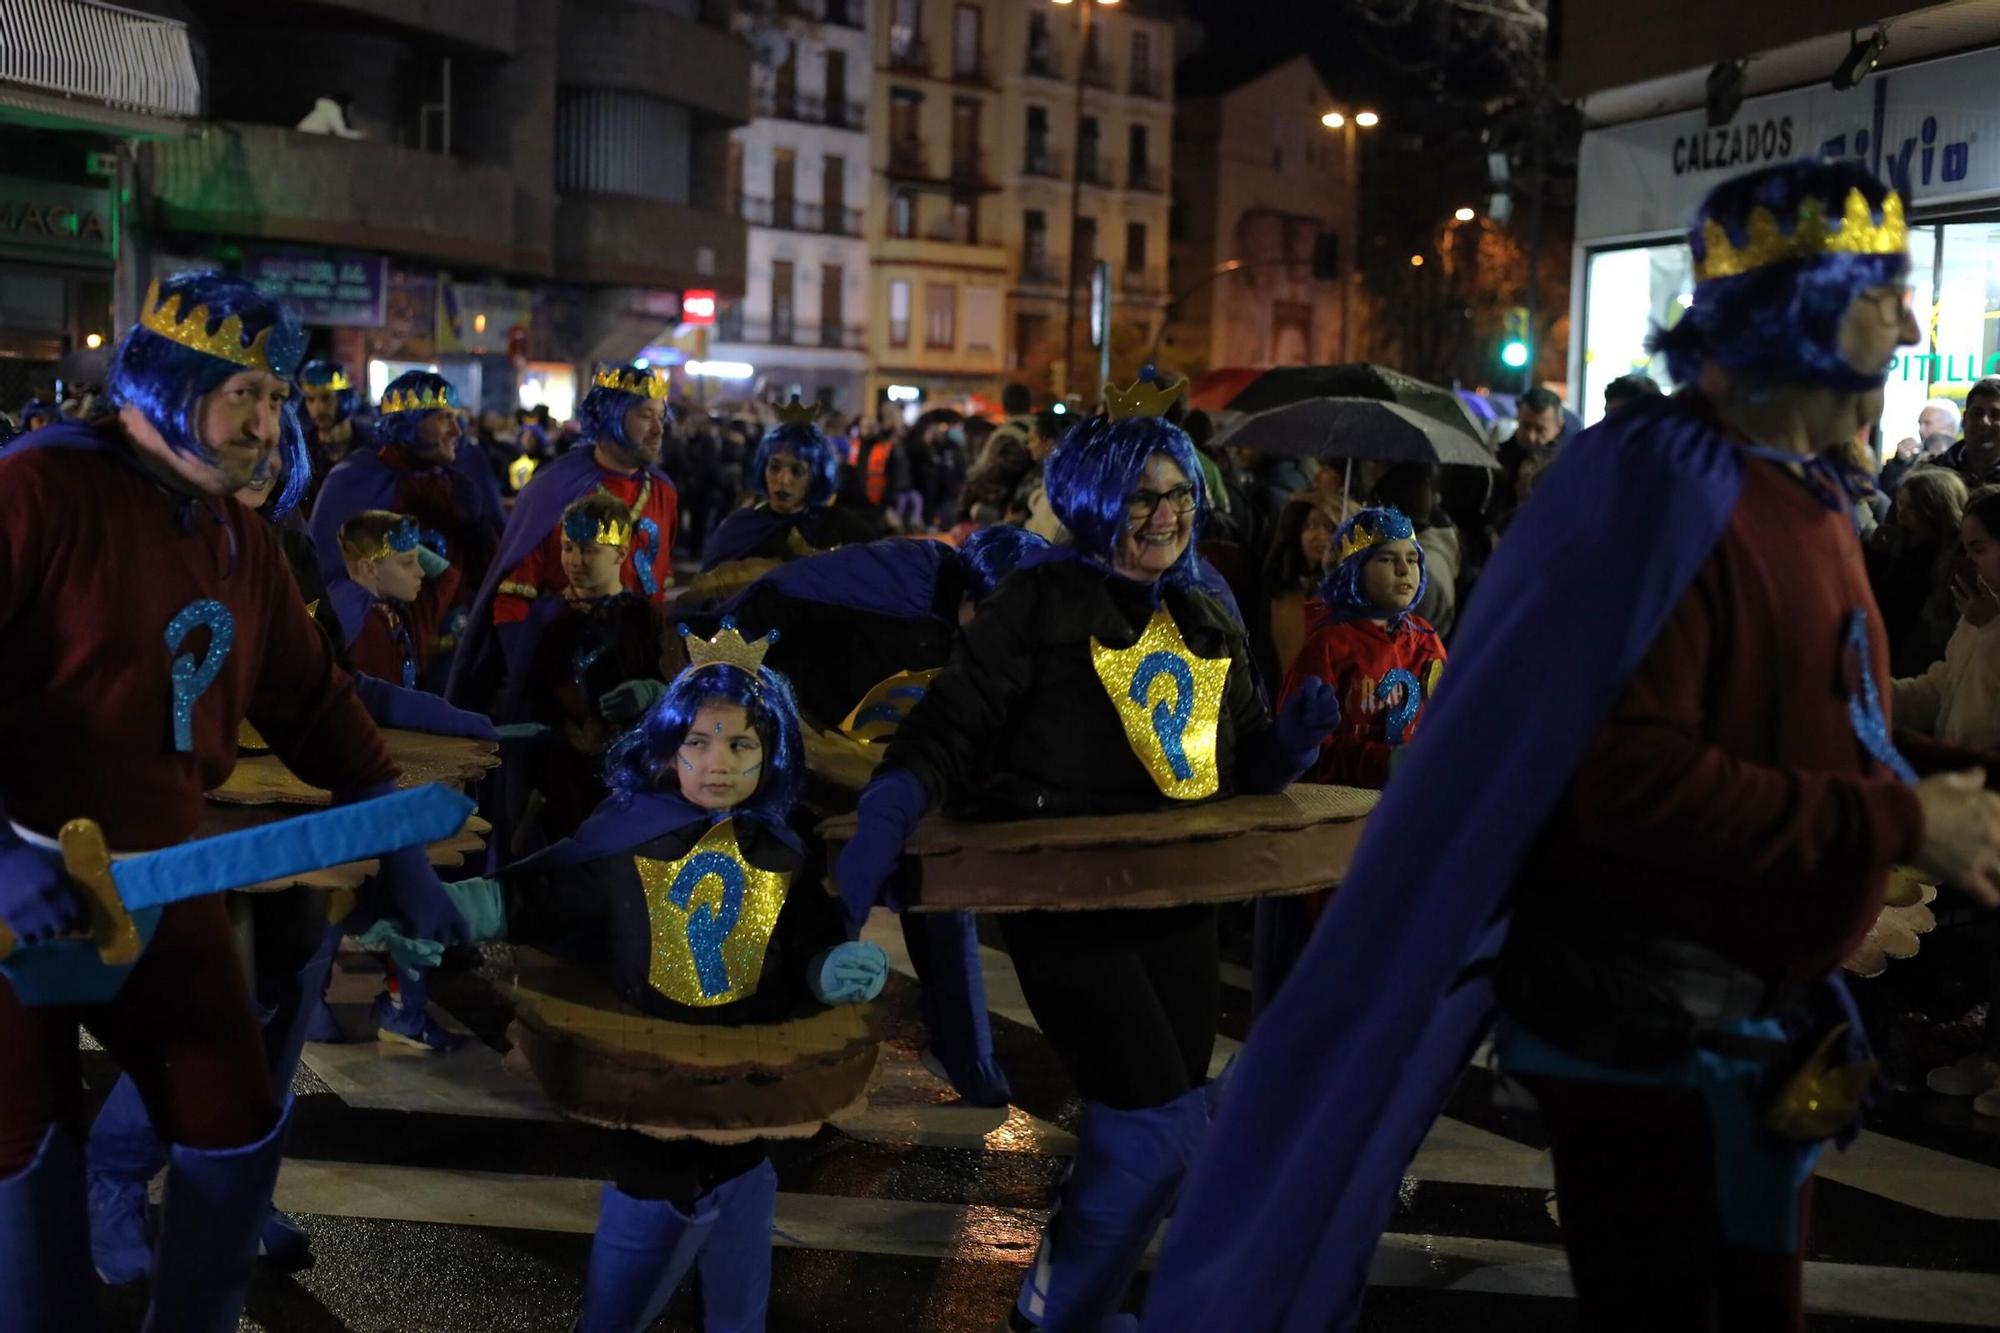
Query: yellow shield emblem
(521, 471)
(1169, 701)
(883, 708)
(712, 914)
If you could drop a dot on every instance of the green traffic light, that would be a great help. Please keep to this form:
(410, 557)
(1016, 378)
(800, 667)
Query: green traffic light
(1514, 354)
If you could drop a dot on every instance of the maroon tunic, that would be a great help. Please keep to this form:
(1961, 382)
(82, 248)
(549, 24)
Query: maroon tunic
(95, 560)
(1726, 800)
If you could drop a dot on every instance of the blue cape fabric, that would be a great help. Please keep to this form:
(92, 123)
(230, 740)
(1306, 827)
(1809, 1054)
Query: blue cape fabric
(743, 531)
(555, 487)
(896, 576)
(363, 481)
(1344, 1075)
(620, 823)
(351, 603)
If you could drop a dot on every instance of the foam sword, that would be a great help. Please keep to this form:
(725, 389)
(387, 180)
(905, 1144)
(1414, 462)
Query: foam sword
(125, 897)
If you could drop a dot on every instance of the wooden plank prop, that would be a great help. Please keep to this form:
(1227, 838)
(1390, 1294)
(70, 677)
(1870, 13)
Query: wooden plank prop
(263, 779)
(1298, 841)
(1905, 915)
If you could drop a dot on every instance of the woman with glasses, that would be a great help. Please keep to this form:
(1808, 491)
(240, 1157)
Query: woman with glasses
(1102, 680)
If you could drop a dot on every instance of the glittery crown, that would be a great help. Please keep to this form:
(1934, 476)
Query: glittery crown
(796, 413)
(1855, 232)
(430, 400)
(631, 379)
(580, 527)
(337, 382)
(1146, 398)
(397, 540)
(1365, 534)
(277, 349)
(728, 646)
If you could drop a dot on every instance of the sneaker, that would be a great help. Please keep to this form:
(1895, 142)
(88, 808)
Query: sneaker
(410, 1026)
(1969, 1077)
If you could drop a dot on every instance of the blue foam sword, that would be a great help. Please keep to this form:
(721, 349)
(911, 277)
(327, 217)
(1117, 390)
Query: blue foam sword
(125, 897)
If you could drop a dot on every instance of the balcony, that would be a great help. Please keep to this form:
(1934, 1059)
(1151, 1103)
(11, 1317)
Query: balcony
(968, 167)
(787, 333)
(88, 65)
(1097, 74)
(846, 115)
(973, 70)
(1095, 170)
(1147, 83)
(847, 14)
(1041, 270)
(1044, 64)
(619, 240)
(912, 55)
(1041, 160)
(1145, 176)
(798, 215)
(647, 49)
(909, 159)
(809, 109)
(272, 183)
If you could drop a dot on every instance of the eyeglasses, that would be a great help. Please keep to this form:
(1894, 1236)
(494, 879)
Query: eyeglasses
(1141, 505)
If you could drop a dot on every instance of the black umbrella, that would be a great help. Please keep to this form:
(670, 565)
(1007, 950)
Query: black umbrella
(1354, 428)
(1290, 384)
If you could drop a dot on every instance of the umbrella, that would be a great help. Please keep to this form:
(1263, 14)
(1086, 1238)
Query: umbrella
(1290, 384)
(1212, 392)
(1355, 428)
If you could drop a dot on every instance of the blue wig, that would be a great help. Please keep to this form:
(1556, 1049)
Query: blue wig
(810, 446)
(399, 425)
(320, 375)
(1353, 547)
(40, 407)
(603, 409)
(642, 760)
(1778, 322)
(1096, 467)
(991, 553)
(165, 378)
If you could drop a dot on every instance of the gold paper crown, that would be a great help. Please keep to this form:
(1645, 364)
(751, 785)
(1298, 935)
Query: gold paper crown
(190, 328)
(1355, 543)
(430, 400)
(728, 646)
(796, 413)
(630, 379)
(336, 382)
(1146, 398)
(1855, 232)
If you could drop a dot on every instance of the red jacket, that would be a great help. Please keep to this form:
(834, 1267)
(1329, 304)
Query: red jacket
(1353, 656)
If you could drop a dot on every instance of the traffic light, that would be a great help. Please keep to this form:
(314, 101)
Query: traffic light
(1514, 351)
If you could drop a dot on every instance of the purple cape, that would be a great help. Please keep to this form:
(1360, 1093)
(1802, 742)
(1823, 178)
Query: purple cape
(896, 576)
(620, 823)
(363, 481)
(744, 531)
(556, 485)
(1343, 1076)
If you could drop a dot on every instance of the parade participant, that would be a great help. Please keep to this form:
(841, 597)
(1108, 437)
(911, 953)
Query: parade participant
(394, 597)
(702, 789)
(1697, 834)
(417, 468)
(329, 416)
(625, 417)
(136, 716)
(794, 473)
(37, 413)
(1105, 680)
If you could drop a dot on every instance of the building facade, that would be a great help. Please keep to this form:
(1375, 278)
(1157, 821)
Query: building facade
(1258, 180)
(799, 177)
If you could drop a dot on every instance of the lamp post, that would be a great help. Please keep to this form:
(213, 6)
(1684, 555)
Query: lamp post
(1076, 186)
(1352, 125)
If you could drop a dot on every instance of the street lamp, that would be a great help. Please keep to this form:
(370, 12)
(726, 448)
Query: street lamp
(1464, 215)
(1351, 173)
(1076, 188)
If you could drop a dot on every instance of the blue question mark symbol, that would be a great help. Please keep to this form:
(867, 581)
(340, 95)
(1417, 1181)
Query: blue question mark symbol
(191, 677)
(644, 552)
(1403, 712)
(707, 928)
(1168, 723)
(1864, 705)
(888, 712)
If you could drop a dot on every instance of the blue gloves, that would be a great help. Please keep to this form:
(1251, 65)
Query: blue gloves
(850, 973)
(888, 812)
(37, 900)
(419, 710)
(431, 562)
(521, 732)
(483, 904)
(1306, 719)
(420, 900)
(631, 701)
(407, 954)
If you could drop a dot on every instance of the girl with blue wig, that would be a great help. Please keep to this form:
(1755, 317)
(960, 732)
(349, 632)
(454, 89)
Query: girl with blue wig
(1102, 680)
(794, 474)
(686, 906)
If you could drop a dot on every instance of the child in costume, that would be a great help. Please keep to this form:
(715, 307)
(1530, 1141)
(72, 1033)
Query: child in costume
(394, 597)
(793, 473)
(692, 893)
(1380, 657)
(1104, 679)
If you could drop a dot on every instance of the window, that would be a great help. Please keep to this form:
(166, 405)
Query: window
(1041, 47)
(1030, 330)
(833, 195)
(982, 319)
(965, 156)
(832, 324)
(732, 177)
(940, 314)
(964, 225)
(1034, 240)
(967, 59)
(1037, 160)
(1142, 63)
(836, 87)
(781, 300)
(1135, 247)
(903, 215)
(784, 185)
(1086, 152)
(1084, 252)
(899, 313)
(1138, 158)
(905, 23)
(1291, 333)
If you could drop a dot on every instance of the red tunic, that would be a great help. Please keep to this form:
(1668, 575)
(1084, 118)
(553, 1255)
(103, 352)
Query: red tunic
(377, 649)
(542, 571)
(1353, 656)
(95, 560)
(1726, 800)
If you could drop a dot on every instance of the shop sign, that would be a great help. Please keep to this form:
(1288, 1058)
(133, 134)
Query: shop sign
(50, 220)
(1943, 368)
(1932, 130)
(482, 318)
(339, 289)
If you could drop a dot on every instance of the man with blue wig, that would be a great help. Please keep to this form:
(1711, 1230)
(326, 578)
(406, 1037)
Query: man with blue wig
(1677, 665)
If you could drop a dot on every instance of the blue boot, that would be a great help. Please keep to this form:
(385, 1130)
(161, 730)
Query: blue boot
(402, 1015)
(644, 1247)
(944, 949)
(735, 1265)
(1126, 1173)
(45, 1280)
(216, 1200)
(124, 1155)
(291, 1003)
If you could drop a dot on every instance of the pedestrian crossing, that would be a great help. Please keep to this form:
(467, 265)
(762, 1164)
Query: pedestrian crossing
(917, 1213)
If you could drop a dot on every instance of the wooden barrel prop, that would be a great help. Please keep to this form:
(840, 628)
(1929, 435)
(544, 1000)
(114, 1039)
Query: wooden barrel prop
(1298, 841)
(602, 1061)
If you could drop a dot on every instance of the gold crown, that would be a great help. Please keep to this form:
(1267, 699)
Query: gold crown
(190, 328)
(630, 379)
(1855, 232)
(796, 413)
(430, 400)
(337, 382)
(613, 533)
(1146, 398)
(1355, 543)
(728, 646)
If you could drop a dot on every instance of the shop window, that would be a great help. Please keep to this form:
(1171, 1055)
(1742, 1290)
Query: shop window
(899, 313)
(1630, 291)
